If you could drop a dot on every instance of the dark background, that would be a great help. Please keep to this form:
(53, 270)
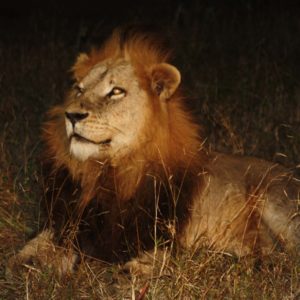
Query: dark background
(239, 61)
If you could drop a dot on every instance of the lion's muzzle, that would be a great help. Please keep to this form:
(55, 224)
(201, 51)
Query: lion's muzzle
(75, 117)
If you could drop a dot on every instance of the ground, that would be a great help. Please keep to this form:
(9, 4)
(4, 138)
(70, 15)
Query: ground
(242, 81)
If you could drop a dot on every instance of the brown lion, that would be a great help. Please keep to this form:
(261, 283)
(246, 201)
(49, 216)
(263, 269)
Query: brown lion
(127, 170)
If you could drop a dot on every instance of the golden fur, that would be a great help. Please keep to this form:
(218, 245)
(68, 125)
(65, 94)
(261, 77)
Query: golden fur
(123, 143)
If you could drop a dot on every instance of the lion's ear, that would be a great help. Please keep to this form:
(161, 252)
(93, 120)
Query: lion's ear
(81, 65)
(165, 79)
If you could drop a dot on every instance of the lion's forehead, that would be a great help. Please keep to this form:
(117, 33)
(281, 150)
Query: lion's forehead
(109, 73)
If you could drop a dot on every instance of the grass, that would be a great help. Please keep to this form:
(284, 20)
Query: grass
(239, 70)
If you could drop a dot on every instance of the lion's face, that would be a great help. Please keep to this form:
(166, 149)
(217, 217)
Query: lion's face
(106, 112)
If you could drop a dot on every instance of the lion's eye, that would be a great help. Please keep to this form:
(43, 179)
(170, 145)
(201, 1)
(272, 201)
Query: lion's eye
(79, 89)
(116, 93)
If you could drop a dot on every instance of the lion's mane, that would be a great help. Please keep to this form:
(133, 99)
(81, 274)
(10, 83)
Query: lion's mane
(171, 162)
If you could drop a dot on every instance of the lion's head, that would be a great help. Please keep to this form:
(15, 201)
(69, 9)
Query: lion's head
(107, 113)
(125, 105)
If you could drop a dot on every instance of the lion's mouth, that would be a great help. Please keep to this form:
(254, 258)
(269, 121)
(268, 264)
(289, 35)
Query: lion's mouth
(82, 139)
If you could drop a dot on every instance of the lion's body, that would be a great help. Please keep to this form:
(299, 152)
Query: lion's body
(246, 205)
(128, 167)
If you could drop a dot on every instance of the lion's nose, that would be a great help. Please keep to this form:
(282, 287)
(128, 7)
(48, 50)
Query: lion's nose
(75, 117)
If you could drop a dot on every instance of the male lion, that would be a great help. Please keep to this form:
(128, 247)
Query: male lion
(127, 170)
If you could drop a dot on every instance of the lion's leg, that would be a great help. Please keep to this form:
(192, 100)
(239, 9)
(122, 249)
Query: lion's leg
(232, 225)
(284, 220)
(42, 252)
(148, 263)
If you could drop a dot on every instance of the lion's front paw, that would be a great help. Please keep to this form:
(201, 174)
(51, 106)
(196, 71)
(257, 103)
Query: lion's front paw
(18, 264)
(148, 263)
(41, 253)
(138, 267)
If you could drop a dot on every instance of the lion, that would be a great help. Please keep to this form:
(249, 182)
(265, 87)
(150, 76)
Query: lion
(127, 170)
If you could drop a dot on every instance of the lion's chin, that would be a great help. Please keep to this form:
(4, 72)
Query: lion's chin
(83, 151)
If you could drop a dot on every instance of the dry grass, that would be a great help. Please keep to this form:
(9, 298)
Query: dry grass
(242, 75)
(203, 275)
